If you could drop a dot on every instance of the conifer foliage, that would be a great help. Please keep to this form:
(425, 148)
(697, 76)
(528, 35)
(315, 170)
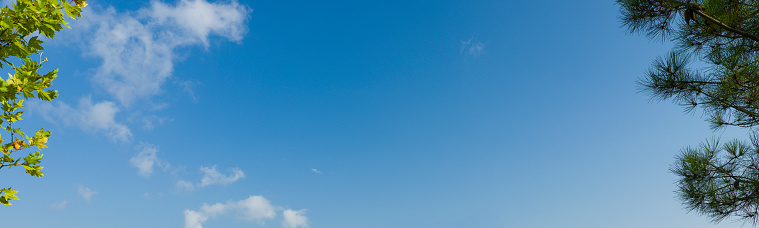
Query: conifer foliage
(21, 24)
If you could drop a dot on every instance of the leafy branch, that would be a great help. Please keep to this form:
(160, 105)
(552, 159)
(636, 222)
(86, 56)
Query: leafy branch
(20, 26)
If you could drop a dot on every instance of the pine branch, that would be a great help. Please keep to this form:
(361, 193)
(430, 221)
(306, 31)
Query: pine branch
(726, 27)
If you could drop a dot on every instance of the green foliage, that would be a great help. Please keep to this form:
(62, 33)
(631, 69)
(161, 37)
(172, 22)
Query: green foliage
(717, 180)
(8, 195)
(20, 27)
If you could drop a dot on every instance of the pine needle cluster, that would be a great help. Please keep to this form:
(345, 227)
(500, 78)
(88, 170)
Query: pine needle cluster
(714, 67)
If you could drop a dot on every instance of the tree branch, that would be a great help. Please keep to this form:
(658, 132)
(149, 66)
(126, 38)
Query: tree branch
(727, 27)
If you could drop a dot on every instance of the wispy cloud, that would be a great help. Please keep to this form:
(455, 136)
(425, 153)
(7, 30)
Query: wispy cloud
(199, 18)
(138, 48)
(82, 192)
(189, 88)
(146, 159)
(185, 185)
(213, 177)
(86, 193)
(149, 122)
(316, 171)
(253, 209)
(294, 219)
(89, 116)
(137, 52)
(59, 206)
(472, 47)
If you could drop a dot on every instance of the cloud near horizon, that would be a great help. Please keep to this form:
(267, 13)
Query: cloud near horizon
(294, 219)
(253, 209)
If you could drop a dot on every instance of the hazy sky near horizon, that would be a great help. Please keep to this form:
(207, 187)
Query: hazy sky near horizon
(198, 113)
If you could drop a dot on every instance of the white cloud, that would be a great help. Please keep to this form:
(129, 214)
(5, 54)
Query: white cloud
(59, 206)
(316, 171)
(138, 48)
(472, 47)
(194, 219)
(213, 177)
(146, 159)
(89, 116)
(149, 122)
(294, 219)
(201, 18)
(86, 193)
(189, 88)
(185, 185)
(254, 209)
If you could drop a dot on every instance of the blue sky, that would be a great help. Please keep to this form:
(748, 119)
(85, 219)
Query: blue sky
(197, 113)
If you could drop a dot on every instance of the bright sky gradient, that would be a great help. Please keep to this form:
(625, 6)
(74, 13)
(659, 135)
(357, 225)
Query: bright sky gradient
(346, 114)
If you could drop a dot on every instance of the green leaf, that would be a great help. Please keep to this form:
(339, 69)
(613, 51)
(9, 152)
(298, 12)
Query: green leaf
(33, 159)
(9, 195)
(33, 170)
